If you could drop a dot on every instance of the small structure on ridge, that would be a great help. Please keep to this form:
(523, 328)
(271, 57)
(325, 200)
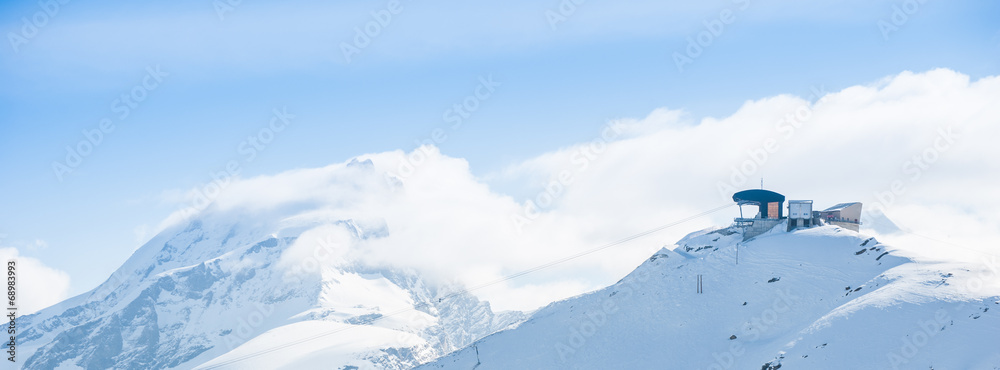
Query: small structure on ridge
(800, 213)
(846, 215)
(768, 211)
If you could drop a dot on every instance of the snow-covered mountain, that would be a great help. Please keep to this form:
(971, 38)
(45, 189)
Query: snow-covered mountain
(299, 280)
(819, 298)
(223, 285)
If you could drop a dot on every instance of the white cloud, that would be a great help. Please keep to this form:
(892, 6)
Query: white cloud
(848, 146)
(38, 286)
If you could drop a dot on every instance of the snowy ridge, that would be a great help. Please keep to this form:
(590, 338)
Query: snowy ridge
(290, 283)
(820, 298)
(218, 290)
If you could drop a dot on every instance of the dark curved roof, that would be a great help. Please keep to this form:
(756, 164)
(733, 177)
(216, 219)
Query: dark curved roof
(758, 196)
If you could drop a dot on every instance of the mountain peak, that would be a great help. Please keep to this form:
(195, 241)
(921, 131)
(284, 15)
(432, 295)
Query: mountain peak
(809, 297)
(212, 292)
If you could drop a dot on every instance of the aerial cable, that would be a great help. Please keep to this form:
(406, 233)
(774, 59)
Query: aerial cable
(477, 287)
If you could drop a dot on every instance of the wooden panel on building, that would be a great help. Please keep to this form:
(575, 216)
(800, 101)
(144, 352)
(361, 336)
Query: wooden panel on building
(772, 210)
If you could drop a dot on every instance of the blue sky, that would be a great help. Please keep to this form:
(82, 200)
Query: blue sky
(558, 85)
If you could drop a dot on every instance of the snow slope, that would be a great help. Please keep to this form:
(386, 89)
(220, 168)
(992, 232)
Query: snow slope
(820, 298)
(283, 283)
(227, 284)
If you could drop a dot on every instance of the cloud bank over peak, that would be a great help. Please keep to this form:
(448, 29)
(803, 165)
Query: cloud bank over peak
(917, 146)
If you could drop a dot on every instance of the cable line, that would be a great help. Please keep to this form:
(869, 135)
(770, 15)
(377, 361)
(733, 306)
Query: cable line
(477, 287)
